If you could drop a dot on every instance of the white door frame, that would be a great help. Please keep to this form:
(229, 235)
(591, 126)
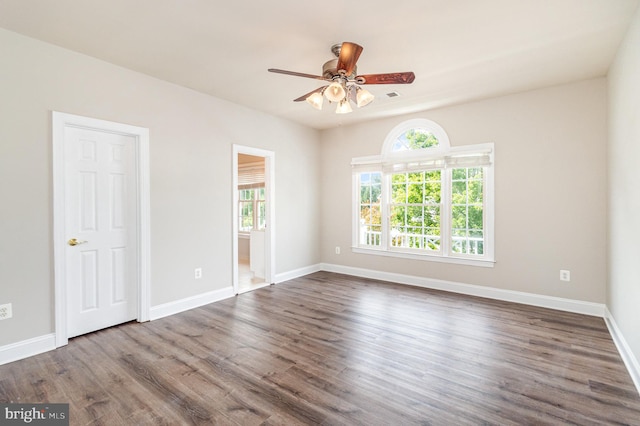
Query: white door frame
(270, 231)
(60, 121)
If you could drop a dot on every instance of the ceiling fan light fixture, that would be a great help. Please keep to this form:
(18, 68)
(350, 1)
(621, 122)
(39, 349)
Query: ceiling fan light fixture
(315, 100)
(342, 82)
(363, 97)
(335, 92)
(344, 107)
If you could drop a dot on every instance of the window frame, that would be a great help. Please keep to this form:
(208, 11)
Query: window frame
(255, 202)
(442, 157)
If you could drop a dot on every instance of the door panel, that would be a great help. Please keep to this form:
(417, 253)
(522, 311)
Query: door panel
(100, 212)
(89, 283)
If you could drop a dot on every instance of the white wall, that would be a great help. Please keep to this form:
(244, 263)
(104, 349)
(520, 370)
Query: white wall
(550, 190)
(191, 137)
(624, 188)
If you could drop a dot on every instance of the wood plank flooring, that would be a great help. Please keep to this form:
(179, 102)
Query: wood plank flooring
(328, 349)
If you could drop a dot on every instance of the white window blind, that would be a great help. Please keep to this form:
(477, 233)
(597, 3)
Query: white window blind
(251, 175)
(470, 156)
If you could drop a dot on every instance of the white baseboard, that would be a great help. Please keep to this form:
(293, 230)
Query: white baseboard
(297, 273)
(27, 348)
(192, 302)
(630, 361)
(568, 305)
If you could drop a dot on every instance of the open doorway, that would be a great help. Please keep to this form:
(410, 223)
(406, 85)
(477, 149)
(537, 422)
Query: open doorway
(253, 218)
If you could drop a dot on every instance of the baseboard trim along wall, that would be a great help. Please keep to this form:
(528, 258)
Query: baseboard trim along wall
(630, 361)
(297, 273)
(26, 348)
(568, 305)
(172, 308)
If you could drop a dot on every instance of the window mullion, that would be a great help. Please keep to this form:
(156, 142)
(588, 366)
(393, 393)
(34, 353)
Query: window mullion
(384, 210)
(445, 212)
(256, 225)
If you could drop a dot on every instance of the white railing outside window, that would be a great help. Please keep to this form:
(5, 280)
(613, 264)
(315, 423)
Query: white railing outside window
(463, 245)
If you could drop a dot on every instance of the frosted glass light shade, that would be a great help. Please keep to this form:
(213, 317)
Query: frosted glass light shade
(363, 97)
(315, 100)
(335, 92)
(344, 107)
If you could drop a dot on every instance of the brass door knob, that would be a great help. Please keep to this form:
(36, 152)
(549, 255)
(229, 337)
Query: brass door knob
(74, 242)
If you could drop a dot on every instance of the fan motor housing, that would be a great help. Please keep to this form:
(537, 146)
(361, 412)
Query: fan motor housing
(330, 70)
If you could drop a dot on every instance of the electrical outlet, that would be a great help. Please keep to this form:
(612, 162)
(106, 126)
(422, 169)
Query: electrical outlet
(5, 311)
(338, 250)
(197, 273)
(565, 275)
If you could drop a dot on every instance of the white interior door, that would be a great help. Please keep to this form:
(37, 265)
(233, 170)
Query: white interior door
(101, 229)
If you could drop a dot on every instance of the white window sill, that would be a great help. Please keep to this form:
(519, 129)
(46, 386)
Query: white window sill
(430, 258)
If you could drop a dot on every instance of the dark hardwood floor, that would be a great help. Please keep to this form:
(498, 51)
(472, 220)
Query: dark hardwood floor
(331, 349)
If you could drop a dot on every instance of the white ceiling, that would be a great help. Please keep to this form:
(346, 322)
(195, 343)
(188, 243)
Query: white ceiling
(459, 50)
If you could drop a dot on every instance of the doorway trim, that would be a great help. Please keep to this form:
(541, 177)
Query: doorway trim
(270, 233)
(60, 121)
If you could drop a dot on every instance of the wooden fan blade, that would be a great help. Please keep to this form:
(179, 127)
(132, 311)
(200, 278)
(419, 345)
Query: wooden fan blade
(349, 54)
(304, 97)
(296, 74)
(389, 78)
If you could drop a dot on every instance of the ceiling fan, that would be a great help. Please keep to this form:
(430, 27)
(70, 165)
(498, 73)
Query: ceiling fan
(344, 86)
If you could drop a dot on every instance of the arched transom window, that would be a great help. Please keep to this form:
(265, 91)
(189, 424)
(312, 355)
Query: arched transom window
(419, 134)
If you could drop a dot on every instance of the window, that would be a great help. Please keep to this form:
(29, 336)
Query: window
(467, 211)
(414, 210)
(370, 217)
(251, 205)
(423, 199)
